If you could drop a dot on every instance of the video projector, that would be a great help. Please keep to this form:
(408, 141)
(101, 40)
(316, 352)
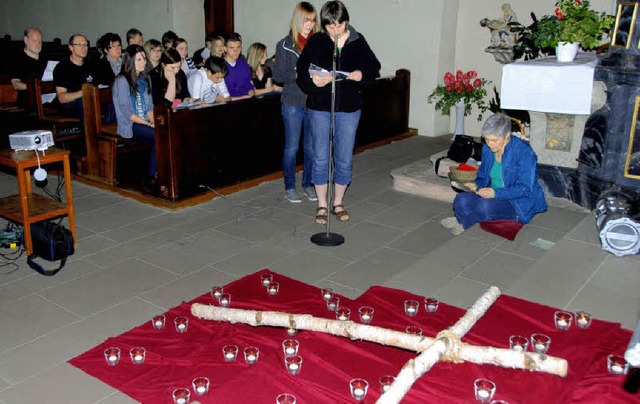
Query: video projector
(31, 140)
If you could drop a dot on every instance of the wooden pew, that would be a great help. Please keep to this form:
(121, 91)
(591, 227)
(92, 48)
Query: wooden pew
(62, 127)
(222, 144)
(104, 144)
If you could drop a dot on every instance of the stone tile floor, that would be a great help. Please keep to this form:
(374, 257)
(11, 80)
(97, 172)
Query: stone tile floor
(133, 261)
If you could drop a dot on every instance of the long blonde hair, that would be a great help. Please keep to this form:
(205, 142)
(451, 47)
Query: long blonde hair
(254, 54)
(304, 11)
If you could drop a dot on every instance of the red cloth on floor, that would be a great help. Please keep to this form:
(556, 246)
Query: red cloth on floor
(173, 360)
(504, 228)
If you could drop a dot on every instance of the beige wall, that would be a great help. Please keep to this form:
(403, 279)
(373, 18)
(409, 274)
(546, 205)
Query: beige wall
(61, 18)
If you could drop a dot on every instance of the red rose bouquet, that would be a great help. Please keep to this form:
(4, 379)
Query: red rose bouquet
(461, 87)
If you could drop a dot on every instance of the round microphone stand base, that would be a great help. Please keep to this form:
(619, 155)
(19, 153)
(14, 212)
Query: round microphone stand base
(325, 239)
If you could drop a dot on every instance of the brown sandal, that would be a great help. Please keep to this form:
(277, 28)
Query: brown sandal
(321, 217)
(342, 215)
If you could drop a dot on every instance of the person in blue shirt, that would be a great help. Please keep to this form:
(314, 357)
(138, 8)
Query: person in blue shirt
(506, 187)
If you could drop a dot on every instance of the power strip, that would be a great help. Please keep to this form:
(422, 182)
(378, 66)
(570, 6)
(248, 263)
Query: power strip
(10, 238)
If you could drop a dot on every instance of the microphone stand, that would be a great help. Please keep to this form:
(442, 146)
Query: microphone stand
(326, 238)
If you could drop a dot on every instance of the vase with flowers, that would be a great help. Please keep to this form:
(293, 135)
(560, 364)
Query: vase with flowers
(462, 90)
(572, 23)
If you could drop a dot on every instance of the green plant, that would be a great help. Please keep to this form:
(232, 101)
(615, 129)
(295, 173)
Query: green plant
(463, 86)
(525, 46)
(573, 22)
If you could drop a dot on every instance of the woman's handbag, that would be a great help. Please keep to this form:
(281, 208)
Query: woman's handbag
(52, 242)
(462, 148)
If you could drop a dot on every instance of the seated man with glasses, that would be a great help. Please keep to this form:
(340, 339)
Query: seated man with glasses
(69, 76)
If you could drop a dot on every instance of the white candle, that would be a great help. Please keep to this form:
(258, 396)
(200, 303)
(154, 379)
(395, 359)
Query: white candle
(540, 346)
(342, 317)
(431, 307)
(517, 348)
(616, 369)
(562, 322)
(181, 401)
(411, 310)
(266, 282)
(291, 332)
(290, 351)
(366, 317)
(251, 358)
(294, 366)
(582, 322)
(385, 388)
(138, 358)
(229, 355)
(224, 302)
(113, 358)
(201, 389)
(181, 327)
(273, 291)
(358, 392)
(158, 324)
(332, 306)
(483, 393)
(217, 294)
(327, 296)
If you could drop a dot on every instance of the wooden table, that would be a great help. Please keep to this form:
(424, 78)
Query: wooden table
(26, 207)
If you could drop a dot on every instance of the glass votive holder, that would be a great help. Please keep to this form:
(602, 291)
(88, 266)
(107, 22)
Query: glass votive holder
(225, 300)
(200, 385)
(366, 314)
(290, 347)
(540, 343)
(359, 389)
(411, 307)
(498, 402)
(518, 343)
(181, 323)
(343, 314)
(251, 355)
(137, 355)
(266, 279)
(563, 320)
(327, 293)
(617, 365)
(230, 352)
(112, 355)
(386, 382)
(158, 322)
(333, 303)
(583, 319)
(273, 288)
(291, 331)
(216, 292)
(484, 390)
(414, 330)
(286, 398)
(293, 364)
(431, 304)
(181, 396)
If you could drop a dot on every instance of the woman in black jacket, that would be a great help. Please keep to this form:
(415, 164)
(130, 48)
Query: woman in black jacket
(356, 67)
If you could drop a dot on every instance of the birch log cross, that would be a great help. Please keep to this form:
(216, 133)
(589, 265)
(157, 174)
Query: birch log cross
(446, 345)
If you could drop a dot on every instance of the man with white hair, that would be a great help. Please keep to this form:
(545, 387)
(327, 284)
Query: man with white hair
(27, 63)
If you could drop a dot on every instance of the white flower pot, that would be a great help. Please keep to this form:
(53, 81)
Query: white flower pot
(567, 51)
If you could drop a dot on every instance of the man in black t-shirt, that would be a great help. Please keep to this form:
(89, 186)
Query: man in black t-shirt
(27, 63)
(70, 74)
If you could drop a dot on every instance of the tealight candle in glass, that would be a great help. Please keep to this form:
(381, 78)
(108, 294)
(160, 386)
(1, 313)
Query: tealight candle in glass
(251, 355)
(273, 288)
(563, 320)
(386, 382)
(230, 352)
(333, 303)
(158, 322)
(293, 364)
(431, 304)
(366, 314)
(583, 319)
(540, 343)
(359, 389)
(112, 355)
(484, 390)
(343, 314)
(137, 355)
(181, 323)
(518, 343)
(291, 331)
(200, 385)
(266, 279)
(327, 293)
(286, 398)
(617, 365)
(225, 300)
(181, 396)
(411, 307)
(414, 330)
(216, 292)
(290, 347)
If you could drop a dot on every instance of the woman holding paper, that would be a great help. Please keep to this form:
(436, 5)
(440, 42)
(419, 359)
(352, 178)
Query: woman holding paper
(355, 58)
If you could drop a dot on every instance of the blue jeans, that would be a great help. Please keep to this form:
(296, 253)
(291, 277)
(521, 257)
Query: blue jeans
(295, 120)
(346, 124)
(470, 209)
(147, 135)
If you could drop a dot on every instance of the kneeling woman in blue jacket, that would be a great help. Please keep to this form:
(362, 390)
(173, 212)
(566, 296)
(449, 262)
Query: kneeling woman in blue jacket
(506, 187)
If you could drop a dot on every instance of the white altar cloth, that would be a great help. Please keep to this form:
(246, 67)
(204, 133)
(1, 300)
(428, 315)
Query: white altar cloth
(546, 85)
